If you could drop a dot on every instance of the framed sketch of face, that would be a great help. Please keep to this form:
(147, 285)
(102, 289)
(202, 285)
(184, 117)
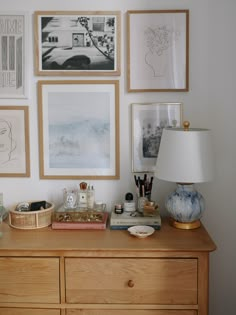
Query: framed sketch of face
(14, 141)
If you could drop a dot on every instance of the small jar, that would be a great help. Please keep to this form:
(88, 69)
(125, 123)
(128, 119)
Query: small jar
(141, 202)
(99, 206)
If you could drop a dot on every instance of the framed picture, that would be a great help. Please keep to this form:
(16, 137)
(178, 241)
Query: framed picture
(14, 141)
(79, 129)
(77, 43)
(148, 121)
(158, 50)
(13, 52)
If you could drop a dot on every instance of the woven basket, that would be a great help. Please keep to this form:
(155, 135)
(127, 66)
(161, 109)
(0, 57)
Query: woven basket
(31, 219)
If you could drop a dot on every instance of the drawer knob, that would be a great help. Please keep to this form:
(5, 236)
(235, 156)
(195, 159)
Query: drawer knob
(131, 283)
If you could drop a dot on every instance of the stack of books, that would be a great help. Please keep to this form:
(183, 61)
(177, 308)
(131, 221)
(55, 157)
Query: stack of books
(127, 219)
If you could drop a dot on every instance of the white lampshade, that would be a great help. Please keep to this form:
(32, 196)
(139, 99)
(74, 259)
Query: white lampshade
(185, 156)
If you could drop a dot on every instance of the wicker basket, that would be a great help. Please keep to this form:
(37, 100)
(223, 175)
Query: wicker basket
(31, 219)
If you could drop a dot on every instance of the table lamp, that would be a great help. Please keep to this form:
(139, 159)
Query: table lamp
(185, 157)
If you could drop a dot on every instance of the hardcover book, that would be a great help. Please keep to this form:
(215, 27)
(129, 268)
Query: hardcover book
(127, 219)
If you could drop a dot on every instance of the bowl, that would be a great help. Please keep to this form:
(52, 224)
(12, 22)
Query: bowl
(141, 231)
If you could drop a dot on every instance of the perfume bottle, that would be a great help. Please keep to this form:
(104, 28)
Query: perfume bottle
(129, 204)
(82, 199)
(90, 197)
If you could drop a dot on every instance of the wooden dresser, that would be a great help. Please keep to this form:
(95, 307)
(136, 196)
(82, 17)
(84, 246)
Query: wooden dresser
(103, 272)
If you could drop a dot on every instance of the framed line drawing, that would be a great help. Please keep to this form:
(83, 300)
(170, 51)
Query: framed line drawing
(14, 141)
(83, 43)
(148, 121)
(79, 129)
(158, 50)
(13, 52)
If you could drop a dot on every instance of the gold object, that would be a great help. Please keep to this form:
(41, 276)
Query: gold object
(185, 225)
(186, 125)
(150, 208)
(78, 216)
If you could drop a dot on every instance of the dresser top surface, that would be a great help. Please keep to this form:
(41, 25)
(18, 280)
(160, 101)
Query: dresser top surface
(166, 239)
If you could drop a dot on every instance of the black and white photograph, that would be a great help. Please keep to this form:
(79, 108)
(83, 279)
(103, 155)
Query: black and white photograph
(13, 78)
(72, 43)
(148, 121)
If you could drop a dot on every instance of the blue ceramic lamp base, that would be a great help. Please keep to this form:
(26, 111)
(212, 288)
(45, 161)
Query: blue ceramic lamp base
(185, 207)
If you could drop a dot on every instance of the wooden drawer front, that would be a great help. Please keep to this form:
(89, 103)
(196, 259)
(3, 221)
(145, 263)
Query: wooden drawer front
(142, 281)
(129, 312)
(28, 311)
(33, 280)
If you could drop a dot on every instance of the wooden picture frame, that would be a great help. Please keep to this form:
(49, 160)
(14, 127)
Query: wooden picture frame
(84, 43)
(14, 54)
(158, 50)
(79, 129)
(148, 121)
(14, 141)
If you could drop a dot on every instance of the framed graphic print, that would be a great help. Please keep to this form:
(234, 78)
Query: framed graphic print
(77, 43)
(13, 55)
(158, 50)
(79, 129)
(148, 121)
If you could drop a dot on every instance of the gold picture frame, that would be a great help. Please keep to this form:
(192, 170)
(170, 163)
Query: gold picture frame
(14, 141)
(79, 129)
(158, 50)
(72, 43)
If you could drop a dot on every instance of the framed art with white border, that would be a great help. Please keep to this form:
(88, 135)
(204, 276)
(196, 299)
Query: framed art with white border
(13, 52)
(79, 129)
(158, 50)
(14, 141)
(148, 121)
(84, 43)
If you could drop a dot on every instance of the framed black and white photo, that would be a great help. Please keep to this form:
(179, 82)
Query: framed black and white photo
(13, 55)
(79, 129)
(77, 43)
(14, 141)
(158, 50)
(148, 121)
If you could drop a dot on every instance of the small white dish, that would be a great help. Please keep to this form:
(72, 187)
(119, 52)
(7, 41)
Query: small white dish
(141, 231)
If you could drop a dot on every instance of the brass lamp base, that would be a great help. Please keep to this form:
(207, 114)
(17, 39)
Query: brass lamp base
(185, 225)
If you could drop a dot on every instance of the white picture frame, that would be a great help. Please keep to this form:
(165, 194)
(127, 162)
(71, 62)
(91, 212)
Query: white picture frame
(14, 55)
(148, 121)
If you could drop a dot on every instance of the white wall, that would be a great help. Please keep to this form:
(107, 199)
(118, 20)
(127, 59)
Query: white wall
(209, 103)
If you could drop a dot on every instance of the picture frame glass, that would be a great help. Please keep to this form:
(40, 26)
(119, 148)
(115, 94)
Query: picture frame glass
(158, 50)
(13, 52)
(148, 121)
(14, 141)
(72, 43)
(79, 129)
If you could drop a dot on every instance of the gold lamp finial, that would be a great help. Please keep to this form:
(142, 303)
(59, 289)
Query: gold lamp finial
(186, 125)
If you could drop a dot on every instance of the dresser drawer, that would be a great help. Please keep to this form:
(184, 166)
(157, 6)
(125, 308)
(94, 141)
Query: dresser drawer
(131, 281)
(33, 280)
(128, 312)
(28, 311)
